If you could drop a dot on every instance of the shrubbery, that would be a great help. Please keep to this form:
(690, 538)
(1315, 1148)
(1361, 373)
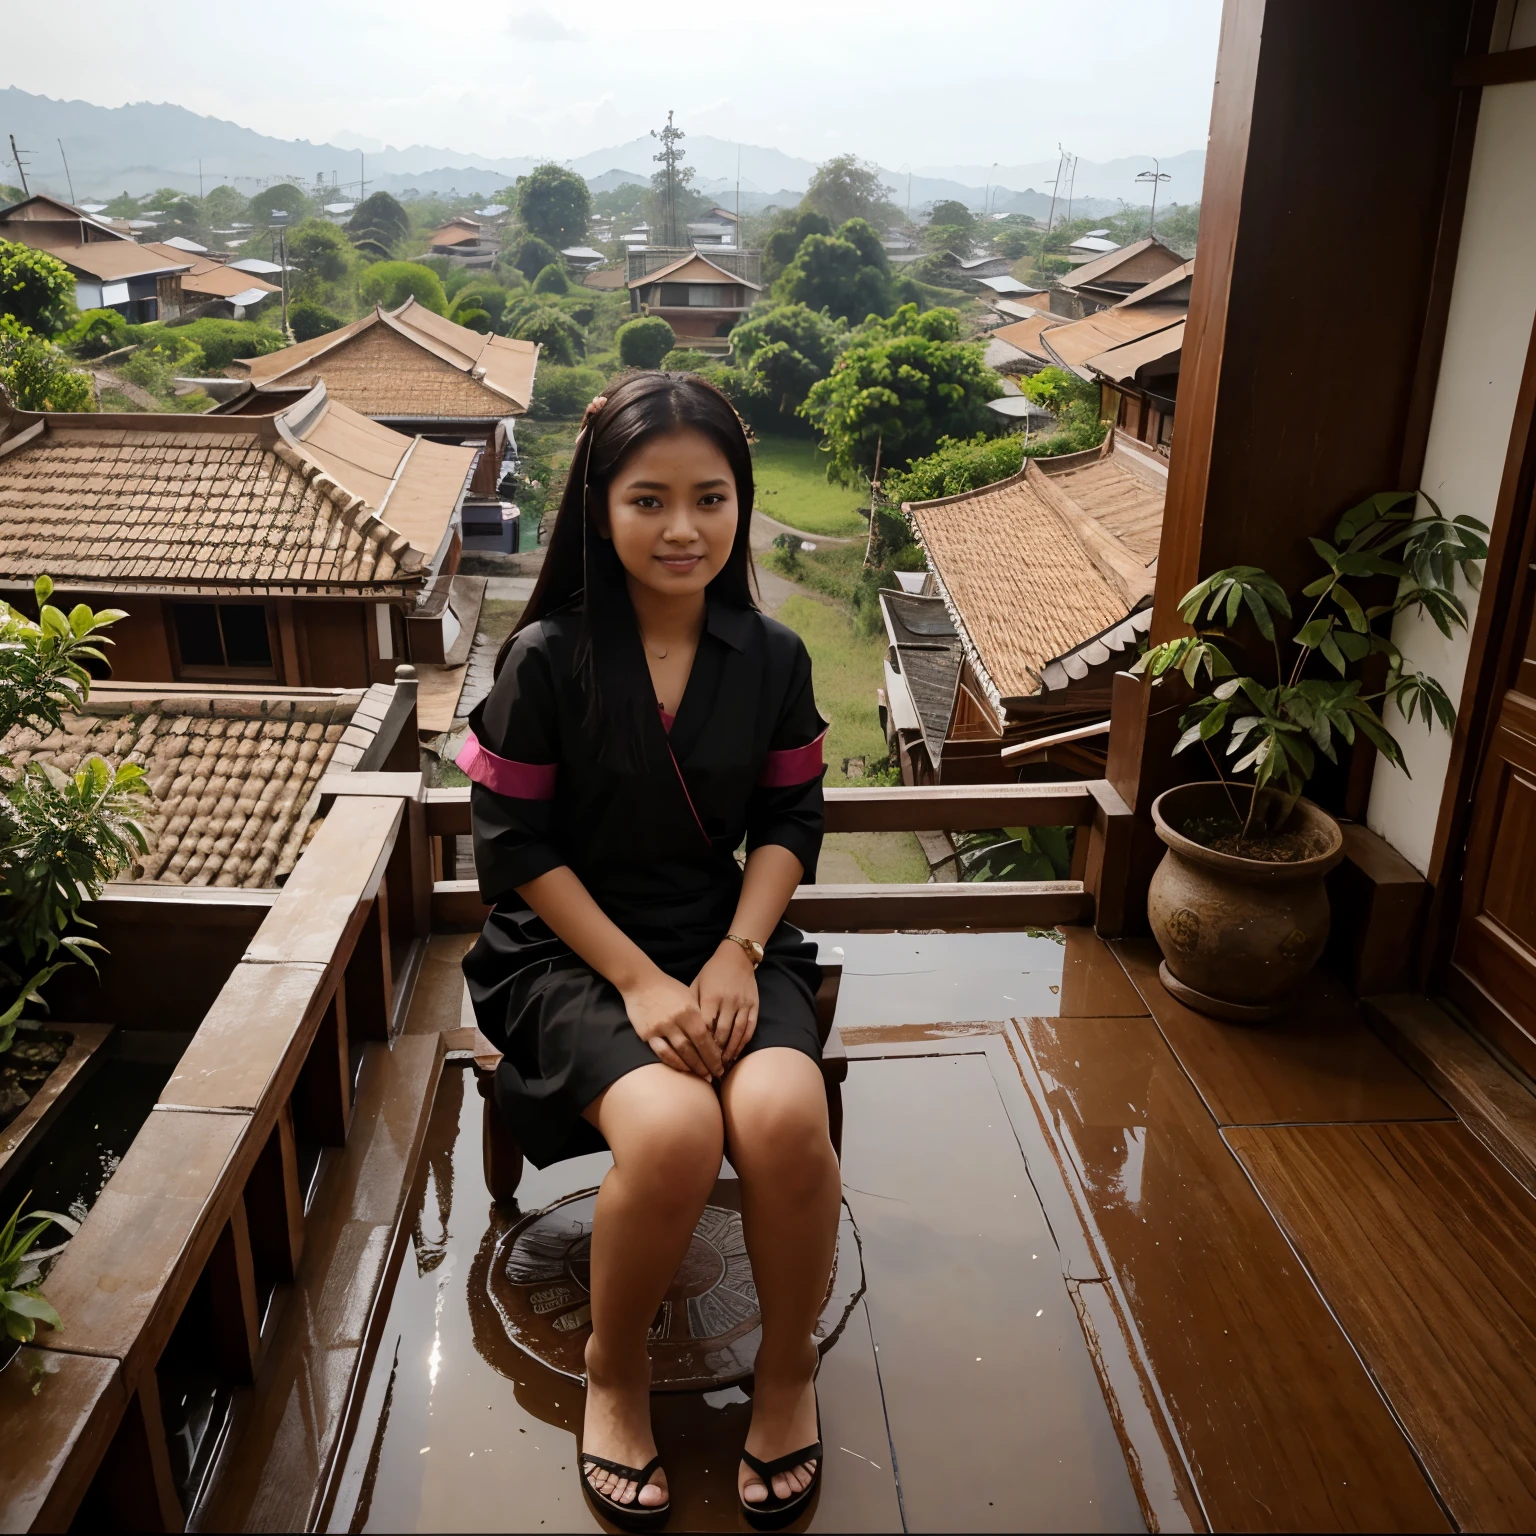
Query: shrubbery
(564, 392)
(644, 341)
(306, 320)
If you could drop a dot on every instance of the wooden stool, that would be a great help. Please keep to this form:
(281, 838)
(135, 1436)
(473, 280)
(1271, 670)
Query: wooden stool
(503, 1157)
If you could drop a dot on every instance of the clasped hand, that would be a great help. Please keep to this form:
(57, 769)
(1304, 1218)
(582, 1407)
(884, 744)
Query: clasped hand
(703, 1028)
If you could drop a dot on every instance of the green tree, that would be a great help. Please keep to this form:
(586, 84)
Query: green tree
(621, 202)
(846, 187)
(283, 198)
(788, 348)
(37, 376)
(554, 204)
(830, 273)
(36, 289)
(552, 280)
(644, 341)
(321, 252)
(378, 226)
(223, 206)
(948, 211)
(307, 319)
(391, 283)
(95, 333)
(783, 244)
(901, 385)
(533, 255)
(559, 338)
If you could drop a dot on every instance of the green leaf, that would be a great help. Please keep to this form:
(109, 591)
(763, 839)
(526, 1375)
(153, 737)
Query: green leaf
(42, 589)
(1352, 609)
(28, 1304)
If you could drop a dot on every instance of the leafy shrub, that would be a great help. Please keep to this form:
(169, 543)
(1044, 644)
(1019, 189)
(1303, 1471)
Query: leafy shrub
(37, 376)
(956, 465)
(95, 333)
(534, 255)
(36, 290)
(391, 283)
(552, 279)
(644, 341)
(564, 392)
(221, 341)
(559, 337)
(307, 320)
(685, 360)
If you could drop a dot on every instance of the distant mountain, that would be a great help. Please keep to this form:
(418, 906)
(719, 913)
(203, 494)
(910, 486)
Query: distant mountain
(144, 146)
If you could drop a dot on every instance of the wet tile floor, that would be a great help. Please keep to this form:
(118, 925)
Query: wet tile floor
(958, 1395)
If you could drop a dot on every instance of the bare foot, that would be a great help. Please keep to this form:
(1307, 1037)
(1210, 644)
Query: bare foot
(617, 1427)
(783, 1420)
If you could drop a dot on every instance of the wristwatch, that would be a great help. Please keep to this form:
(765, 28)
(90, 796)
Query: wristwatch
(753, 948)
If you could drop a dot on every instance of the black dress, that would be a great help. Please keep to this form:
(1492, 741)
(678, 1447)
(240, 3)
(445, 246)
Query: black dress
(655, 847)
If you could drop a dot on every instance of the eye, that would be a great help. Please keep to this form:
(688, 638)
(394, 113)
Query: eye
(712, 499)
(647, 503)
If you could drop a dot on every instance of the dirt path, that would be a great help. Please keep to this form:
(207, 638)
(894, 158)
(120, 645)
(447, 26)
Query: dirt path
(777, 590)
(140, 397)
(767, 529)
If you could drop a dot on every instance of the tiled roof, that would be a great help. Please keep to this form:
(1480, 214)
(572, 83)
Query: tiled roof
(234, 781)
(407, 362)
(254, 503)
(1037, 564)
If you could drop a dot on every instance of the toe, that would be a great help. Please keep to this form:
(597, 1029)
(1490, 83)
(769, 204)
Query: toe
(653, 1495)
(753, 1491)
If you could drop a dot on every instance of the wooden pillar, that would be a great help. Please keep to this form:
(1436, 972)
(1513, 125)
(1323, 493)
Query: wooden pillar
(322, 1098)
(370, 973)
(134, 1481)
(274, 1205)
(1328, 123)
(232, 1291)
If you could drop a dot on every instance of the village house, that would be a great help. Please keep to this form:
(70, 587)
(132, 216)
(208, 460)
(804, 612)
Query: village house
(1106, 279)
(699, 296)
(211, 286)
(1044, 581)
(306, 547)
(414, 371)
(111, 270)
(464, 241)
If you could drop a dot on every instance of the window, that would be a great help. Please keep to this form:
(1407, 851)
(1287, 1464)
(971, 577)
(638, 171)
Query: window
(228, 637)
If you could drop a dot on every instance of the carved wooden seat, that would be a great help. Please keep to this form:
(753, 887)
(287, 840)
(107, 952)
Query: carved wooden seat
(504, 1157)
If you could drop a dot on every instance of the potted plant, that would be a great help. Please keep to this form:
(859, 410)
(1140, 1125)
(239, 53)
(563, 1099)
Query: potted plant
(1238, 905)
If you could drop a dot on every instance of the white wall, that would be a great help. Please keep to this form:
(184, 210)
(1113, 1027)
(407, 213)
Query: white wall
(1493, 305)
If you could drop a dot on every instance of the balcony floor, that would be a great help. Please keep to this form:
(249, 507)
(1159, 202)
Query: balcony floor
(1122, 1266)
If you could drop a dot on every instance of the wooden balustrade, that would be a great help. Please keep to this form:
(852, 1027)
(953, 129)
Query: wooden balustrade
(1094, 894)
(205, 1217)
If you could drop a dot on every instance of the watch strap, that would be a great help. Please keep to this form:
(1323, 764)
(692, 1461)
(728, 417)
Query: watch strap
(751, 946)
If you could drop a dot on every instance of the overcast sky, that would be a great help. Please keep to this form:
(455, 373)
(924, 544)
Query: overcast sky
(903, 82)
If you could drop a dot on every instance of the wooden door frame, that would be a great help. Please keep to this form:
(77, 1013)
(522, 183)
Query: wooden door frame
(1490, 657)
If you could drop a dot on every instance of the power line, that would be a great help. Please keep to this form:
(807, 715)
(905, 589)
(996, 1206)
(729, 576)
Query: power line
(1155, 175)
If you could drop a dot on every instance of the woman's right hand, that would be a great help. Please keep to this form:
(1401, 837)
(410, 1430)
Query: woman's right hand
(666, 1016)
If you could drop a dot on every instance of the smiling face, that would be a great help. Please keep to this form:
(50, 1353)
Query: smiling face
(672, 513)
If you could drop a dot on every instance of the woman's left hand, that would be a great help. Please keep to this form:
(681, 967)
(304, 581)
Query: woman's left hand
(727, 992)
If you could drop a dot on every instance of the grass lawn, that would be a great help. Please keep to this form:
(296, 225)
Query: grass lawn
(871, 858)
(847, 669)
(791, 477)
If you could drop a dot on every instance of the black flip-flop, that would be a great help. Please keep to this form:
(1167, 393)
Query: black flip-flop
(774, 1513)
(630, 1517)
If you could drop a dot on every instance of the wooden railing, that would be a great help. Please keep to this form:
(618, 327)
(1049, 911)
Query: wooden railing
(206, 1210)
(1093, 894)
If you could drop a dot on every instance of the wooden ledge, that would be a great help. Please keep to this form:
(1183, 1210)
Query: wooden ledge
(1508, 68)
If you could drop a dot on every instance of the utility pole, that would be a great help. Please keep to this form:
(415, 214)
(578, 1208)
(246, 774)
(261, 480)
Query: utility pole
(67, 177)
(21, 169)
(668, 159)
(1155, 175)
(199, 176)
(1061, 156)
(1071, 186)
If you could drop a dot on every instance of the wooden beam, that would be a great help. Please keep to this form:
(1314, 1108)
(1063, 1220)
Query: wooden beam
(933, 808)
(232, 1291)
(1508, 68)
(947, 907)
(959, 807)
(274, 1204)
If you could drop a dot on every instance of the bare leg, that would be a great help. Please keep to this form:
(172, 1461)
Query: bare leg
(664, 1130)
(776, 1128)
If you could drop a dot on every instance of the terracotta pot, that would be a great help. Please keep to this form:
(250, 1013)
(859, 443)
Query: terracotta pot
(1238, 935)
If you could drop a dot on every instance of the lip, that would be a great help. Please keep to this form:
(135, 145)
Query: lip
(682, 564)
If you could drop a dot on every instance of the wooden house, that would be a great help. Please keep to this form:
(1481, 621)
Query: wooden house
(464, 241)
(1106, 279)
(1045, 579)
(210, 286)
(700, 299)
(413, 371)
(307, 547)
(111, 270)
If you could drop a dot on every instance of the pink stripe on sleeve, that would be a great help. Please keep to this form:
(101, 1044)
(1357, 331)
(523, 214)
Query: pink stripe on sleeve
(794, 765)
(517, 781)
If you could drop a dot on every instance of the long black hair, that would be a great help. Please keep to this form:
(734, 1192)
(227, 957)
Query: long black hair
(582, 570)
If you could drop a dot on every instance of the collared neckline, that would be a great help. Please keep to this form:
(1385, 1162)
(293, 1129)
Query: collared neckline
(728, 623)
